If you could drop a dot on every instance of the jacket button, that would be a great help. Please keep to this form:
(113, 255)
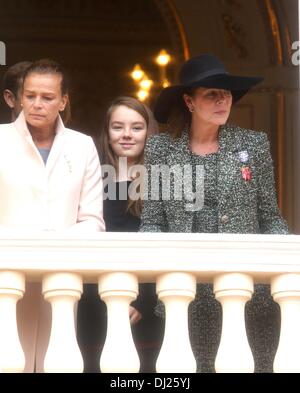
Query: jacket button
(224, 219)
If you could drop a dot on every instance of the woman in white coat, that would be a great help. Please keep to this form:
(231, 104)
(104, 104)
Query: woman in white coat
(50, 180)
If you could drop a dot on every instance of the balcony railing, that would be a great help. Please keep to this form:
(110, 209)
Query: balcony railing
(63, 262)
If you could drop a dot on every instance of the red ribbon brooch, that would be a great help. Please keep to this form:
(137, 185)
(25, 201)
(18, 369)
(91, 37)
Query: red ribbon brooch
(246, 173)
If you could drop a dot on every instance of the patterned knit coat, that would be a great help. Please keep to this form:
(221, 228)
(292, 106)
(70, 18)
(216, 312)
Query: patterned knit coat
(246, 204)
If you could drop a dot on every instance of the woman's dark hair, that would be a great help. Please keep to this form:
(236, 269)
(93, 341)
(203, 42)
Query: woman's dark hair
(48, 66)
(180, 117)
(108, 156)
(13, 78)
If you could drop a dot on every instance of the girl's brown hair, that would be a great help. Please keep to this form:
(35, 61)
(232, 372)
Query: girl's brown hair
(108, 156)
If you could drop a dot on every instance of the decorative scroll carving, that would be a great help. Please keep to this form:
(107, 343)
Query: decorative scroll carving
(272, 32)
(234, 30)
(235, 35)
(232, 3)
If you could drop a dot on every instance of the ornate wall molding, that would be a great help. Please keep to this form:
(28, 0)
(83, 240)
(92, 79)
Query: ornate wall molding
(235, 34)
(234, 30)
(280, 54)
(277, 32)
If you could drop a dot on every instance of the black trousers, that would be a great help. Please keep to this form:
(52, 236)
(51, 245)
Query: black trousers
(92, 324)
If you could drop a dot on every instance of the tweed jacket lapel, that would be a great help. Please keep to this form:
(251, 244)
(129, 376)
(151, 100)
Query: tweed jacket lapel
(229, 165)
(179, 149)
(180, 155)
(229, 168)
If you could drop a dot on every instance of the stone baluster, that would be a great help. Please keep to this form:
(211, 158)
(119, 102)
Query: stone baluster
(233, 290)
(63, 290)
(12, 288)
(285, 289)
(119, 354)
(176, 291)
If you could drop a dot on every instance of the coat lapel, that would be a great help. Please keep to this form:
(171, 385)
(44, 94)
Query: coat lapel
(55, 152)
(180, 149)
(229, 166)
(56, 148)
(180, 155)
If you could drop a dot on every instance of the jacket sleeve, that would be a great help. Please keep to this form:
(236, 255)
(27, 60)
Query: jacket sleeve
(90, 210)
(270, 219)
(153, 218)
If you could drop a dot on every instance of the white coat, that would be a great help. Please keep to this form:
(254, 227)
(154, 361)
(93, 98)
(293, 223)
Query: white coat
(64, 194)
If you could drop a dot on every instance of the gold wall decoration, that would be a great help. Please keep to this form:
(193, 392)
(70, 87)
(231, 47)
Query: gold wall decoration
(235, 34)
(275, 30)
(233, 29)
(272, 31)
(280, 54)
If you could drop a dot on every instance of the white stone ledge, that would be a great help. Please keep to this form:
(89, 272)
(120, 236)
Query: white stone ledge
(149, 254)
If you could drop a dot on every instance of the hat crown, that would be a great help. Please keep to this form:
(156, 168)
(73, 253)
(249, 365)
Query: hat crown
(200, 67)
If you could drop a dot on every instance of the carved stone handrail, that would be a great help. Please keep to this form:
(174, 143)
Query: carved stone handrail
(118, 261)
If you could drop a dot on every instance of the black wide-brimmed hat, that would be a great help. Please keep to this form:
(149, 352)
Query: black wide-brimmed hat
(202, 71)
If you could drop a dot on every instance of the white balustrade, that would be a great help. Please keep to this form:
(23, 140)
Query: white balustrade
(176, 261)
(119, 354)
(176, 291)
(63, 290)
(12, 288)
(233, 290)
(285, 289)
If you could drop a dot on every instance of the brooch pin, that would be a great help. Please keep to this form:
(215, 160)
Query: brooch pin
(244, 156)
(246, 173)
(69, 164)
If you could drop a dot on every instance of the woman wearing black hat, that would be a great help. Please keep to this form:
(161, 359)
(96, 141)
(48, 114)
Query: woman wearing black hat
(238, 192)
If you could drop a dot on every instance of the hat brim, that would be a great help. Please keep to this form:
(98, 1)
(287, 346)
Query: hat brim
(173, 95)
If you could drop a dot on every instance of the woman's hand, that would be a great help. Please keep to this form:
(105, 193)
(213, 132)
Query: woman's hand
(134, 315)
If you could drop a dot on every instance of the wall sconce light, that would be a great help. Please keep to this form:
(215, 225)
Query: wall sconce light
(142, 80)
(162, 60)
(137, 73)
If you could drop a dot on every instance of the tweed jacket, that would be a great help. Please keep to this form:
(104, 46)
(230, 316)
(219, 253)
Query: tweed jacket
(66, 193)
(244, 206)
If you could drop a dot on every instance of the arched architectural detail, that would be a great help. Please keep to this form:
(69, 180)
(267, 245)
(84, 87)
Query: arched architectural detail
(272, 31)
(175, 27)
(280, 54)
(277, 30)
